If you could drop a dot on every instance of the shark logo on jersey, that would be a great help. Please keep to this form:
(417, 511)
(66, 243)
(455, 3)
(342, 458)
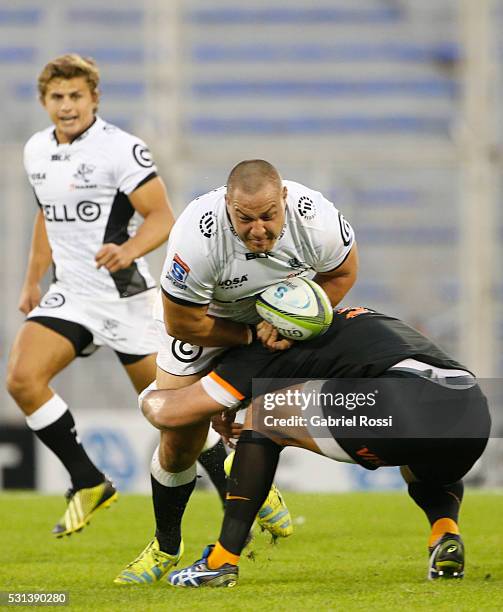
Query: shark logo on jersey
(111, 328)
(295, 263)
(208, 224)
(83, 172)
(178, 272)
(306, 208)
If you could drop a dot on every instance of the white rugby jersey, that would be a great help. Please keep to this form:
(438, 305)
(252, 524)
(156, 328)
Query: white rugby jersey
(207, 263)
(82, 188)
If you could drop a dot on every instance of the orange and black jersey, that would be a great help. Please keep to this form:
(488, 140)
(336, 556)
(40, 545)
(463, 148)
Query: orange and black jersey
(360, 343)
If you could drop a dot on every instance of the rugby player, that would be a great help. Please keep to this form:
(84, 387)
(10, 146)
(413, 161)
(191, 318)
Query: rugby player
(89, 178)
(226, 247)
(441, 416)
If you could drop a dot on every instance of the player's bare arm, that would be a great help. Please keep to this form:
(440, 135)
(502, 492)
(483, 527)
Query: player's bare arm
(151, 202)
(194, 325)
(338, 282)
(39, 261)
(172, 409)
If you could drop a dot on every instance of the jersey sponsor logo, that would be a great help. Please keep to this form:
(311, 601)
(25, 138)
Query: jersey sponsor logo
(86, 211)
(233, 283)
(250, 256)
(208, 224)
(185, 352)
(52, 300)
(60, 157)
(178, 272)
(38, 177)
(83, 172)
(306, 208)
(143, 156)
(346, 230)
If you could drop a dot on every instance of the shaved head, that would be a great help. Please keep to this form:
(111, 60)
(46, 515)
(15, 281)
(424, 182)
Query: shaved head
(256, 204)
(252, 175)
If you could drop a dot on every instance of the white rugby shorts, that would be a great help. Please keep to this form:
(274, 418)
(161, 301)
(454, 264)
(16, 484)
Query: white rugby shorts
(181, 358)
(178, 357)
(125, 325)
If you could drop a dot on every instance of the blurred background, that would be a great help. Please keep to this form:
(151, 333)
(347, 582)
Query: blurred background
(391, 108)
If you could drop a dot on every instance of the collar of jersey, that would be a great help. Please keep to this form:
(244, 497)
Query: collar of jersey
(94, 126)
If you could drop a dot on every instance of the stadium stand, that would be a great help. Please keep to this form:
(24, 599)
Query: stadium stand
(360, 100)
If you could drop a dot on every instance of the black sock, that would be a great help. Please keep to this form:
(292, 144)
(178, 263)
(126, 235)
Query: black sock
(212, 461)
(438, 501)
(253, 470)
(169, 506)
(61, 438)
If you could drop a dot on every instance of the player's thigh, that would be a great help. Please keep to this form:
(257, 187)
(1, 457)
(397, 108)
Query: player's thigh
(38, 354)
(180, 364)
(180, 448)
(141, 372)
(165, 380)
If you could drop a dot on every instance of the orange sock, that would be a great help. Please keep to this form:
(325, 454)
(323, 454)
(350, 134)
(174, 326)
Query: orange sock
(219, 556)
(441, 526)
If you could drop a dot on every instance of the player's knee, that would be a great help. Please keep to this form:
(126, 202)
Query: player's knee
(177, 463)
(22, 385)
(176, 458)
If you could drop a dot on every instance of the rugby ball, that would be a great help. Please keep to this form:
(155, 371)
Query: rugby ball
(297, 307)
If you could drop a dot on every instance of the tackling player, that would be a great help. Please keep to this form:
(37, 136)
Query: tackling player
(441, 417)
(89, 178)
(226, 247)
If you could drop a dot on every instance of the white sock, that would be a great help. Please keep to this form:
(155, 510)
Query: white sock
(169, 479)
(47, 414)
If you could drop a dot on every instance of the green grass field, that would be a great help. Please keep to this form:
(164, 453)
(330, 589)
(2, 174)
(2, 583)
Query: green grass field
(350, 551)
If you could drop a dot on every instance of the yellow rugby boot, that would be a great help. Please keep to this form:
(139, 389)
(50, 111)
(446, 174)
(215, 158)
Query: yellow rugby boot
(150, 565)
(82, 504)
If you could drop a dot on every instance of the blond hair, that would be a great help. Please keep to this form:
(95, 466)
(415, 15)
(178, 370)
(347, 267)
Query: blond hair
(69, 66)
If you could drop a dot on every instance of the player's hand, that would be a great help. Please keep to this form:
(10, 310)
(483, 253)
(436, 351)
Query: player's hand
(270, 337)
(113, 257)
(224, 424)
(29, 298)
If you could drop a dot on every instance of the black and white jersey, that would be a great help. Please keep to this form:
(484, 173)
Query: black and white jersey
(82, 189)
(207, 263)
